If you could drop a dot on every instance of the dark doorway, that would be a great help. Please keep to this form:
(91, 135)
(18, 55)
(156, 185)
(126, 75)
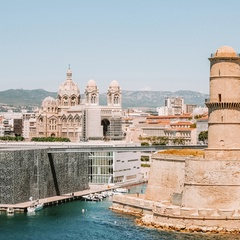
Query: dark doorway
(105, 123)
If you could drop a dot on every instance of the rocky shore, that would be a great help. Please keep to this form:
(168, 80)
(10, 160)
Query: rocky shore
(147, 221)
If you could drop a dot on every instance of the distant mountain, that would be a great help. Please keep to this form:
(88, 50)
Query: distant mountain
(157, 98)
(21, 97)
(149, 99)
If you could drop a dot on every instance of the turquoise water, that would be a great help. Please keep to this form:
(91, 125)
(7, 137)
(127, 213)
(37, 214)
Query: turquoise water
(69, 221)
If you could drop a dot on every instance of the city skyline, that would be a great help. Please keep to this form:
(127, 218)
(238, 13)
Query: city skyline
(144, 45)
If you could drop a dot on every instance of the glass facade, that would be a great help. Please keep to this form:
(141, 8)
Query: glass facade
(100, 168)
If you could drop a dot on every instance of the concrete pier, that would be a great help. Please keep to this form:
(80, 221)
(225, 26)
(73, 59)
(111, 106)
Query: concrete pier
(22, 207)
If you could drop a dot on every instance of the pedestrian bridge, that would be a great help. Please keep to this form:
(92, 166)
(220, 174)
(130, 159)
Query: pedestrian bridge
(62, 147)
(122, 148)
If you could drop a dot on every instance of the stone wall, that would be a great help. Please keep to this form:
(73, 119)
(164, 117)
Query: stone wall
(166, 178)
(37, 173)
(212, 184)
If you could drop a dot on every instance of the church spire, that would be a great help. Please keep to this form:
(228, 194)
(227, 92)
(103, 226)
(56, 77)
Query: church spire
(69, 73)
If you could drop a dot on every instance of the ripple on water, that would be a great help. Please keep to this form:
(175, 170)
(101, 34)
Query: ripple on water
(69, 221)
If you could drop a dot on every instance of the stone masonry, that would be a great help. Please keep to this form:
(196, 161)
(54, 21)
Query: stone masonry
(200, 194)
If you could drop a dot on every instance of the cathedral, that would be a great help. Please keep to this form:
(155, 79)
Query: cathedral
(78, 119)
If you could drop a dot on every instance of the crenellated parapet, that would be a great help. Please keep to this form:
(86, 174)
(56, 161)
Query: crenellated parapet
(222, 105)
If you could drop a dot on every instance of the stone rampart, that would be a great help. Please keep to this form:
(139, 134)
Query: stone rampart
(212, 184)
(39, 174)
(188, 193)
(166, 178)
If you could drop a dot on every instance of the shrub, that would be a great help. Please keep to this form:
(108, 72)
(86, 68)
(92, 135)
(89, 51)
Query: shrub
(50, 139)
(145, 158)
(145, 165)
(11, 138)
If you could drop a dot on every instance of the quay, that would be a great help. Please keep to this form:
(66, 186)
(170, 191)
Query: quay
(55, 200)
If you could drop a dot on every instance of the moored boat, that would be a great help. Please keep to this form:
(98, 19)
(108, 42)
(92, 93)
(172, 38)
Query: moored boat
(10, 210)
(36, 206)
(121, 190)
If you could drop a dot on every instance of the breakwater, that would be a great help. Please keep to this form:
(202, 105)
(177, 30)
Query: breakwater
(39, 174)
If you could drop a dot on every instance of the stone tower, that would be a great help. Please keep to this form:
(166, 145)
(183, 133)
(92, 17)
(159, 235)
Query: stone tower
(213, 182)
(114, 94)
(224, 105)
(92, 93)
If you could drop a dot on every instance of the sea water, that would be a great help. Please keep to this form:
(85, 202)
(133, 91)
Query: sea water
(84, 220)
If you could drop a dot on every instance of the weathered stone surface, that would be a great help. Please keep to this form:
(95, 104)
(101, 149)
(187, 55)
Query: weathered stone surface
(166, 178)
(25, 173)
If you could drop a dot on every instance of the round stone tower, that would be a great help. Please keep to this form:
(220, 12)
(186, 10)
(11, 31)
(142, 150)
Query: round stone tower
(224, 105)
(213, 182)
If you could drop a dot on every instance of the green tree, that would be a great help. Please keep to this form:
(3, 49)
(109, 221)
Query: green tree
(178, 141)
(50, 139)
(193, 125)
(203, 136)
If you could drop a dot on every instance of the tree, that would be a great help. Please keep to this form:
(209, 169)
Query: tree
(163, 140)
(193, 125)
(144, 144)
(50, 139)
(178, 141)
(203, 136)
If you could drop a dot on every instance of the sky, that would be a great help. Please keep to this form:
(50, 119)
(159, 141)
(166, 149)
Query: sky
(157, 45)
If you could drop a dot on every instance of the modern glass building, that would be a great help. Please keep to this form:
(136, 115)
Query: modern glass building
(106, 167)
(100, 168)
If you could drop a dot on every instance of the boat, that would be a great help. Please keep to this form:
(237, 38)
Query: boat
(93, 197)
(10, 210)
(121, 190)
(36, 206)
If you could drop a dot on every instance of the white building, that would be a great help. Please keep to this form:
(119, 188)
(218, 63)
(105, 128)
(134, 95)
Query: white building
(108, 167)
(173, 106)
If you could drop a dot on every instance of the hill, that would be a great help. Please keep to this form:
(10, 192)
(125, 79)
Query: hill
(21, 97)
(149, 99)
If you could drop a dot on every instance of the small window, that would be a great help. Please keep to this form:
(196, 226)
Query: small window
(219, 97)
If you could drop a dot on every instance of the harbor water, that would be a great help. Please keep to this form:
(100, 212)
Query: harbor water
(83, 220)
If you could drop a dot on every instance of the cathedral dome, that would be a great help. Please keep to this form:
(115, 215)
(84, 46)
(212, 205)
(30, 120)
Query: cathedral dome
(91, 83)
(68, 87)
(49, 101)
(114, 84)
(225, 51)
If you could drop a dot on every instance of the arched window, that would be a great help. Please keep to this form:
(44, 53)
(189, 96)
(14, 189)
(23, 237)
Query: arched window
(93, 98)
(73, 101)
(52, 124)
(70, 121)
(40, 121)
(64, 122)
(65, 101)
(116, 99)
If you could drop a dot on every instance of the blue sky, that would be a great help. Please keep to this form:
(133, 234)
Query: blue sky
(160, 45)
